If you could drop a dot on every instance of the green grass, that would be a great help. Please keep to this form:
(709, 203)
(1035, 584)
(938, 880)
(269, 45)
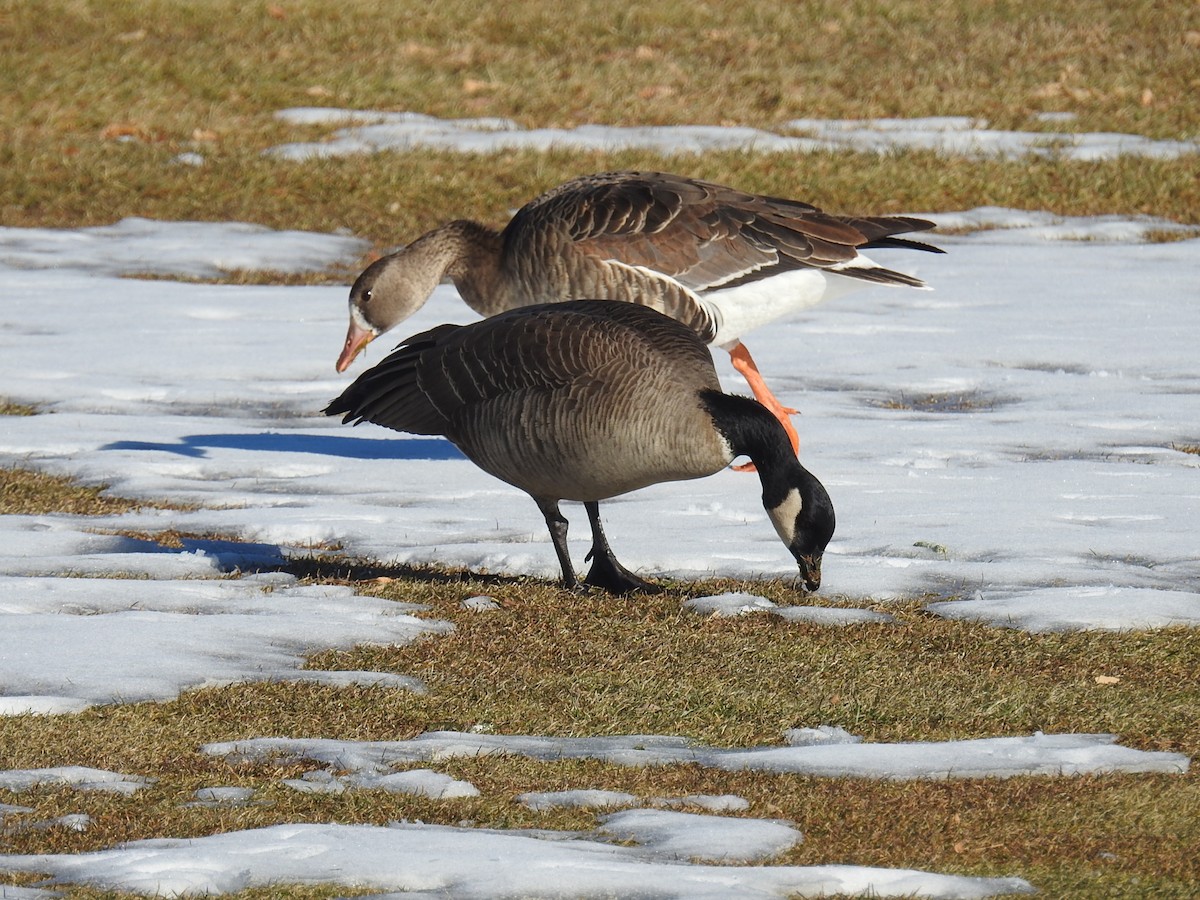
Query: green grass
(93, 111)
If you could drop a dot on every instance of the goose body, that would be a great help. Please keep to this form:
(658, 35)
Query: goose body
(584, 401)
(721, 261)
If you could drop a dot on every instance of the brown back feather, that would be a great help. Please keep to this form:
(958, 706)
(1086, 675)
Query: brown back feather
(704, 235)
(435, 382)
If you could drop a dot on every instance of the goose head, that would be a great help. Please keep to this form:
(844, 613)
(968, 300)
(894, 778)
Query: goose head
(804, 521)
(386, 293)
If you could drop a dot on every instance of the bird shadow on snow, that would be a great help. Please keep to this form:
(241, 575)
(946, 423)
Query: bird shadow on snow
(230, 555)
(198, 445)
(250, 557)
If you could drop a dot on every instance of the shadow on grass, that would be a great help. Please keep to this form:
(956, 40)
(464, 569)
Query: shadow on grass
(325, 565)
(340, 569)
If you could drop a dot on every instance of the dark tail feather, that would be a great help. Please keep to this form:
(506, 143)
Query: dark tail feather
(879, 275)
(881, 231)
(388, 393)
(901, 242)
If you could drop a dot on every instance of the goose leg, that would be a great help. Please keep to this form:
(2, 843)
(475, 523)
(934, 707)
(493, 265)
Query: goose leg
(606, 572)
(744, 363)
(558, 535)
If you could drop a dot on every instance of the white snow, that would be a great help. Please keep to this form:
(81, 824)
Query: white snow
(729, 605)
(592, 798)
(480, 603)
(71, 642)
(741, 603)
(137, 246)
(420, 782)
(415, 782)
(1011, 226)
(373, 132)
(963, 136)
(578, 798)
(79, 777)
(1013, 437)
(709, 802)
(419, 860)
(843, 756)
(370, 131)
(1013, 430)
(12, 892)
(221, 797)
(821, 734)
(1070, 609)
(679, 835)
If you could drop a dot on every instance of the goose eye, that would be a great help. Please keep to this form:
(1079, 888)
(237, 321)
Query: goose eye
(366, 296)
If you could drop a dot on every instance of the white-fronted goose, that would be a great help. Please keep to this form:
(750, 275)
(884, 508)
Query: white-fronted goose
(721, 261)
(583, 401)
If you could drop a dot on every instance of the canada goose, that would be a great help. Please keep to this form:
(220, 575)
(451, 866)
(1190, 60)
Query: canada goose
(586, 400)
(721, 261)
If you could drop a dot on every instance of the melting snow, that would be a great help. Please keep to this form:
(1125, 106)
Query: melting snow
(969, 448)
(842, 756)
(368, 131)
(434, 860)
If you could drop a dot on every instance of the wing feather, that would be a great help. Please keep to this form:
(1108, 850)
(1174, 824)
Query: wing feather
(439, 381)
(702, 235)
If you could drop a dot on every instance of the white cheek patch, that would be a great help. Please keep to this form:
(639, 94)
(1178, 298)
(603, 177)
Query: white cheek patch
(783, 516)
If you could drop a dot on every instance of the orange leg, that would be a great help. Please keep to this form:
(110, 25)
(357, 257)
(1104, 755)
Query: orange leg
(744, 363)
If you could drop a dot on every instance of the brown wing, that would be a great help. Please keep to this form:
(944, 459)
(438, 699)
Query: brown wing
(390, 394)
(440, 381)
(705, 235)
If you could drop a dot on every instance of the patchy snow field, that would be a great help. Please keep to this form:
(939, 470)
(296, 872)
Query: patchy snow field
(1015, 438)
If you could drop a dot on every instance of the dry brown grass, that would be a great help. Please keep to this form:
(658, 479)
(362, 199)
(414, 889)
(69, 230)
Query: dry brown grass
(96, 108)
(220, 68)
(25, 492)
(391, 198)
(8, 408)
(554, 662)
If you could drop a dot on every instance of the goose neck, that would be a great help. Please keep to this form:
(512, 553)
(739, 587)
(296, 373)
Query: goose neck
(750, 430)
(471, 256)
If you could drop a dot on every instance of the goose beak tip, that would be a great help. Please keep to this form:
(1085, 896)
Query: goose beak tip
(357, 338)
(810, 572)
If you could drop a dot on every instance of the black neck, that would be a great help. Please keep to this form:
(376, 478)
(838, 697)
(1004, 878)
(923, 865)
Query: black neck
(752, 431)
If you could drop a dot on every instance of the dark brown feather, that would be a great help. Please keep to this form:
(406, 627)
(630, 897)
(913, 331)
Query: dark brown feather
(703, 234)
(435, 381)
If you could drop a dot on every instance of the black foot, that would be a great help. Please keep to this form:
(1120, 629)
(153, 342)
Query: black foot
(609, 575)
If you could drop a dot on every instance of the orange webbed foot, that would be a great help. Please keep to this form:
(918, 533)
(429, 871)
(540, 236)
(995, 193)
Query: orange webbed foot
(744, 363)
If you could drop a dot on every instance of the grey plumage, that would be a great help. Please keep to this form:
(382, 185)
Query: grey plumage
(583, 401)
(653, 238)
(719, 260)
